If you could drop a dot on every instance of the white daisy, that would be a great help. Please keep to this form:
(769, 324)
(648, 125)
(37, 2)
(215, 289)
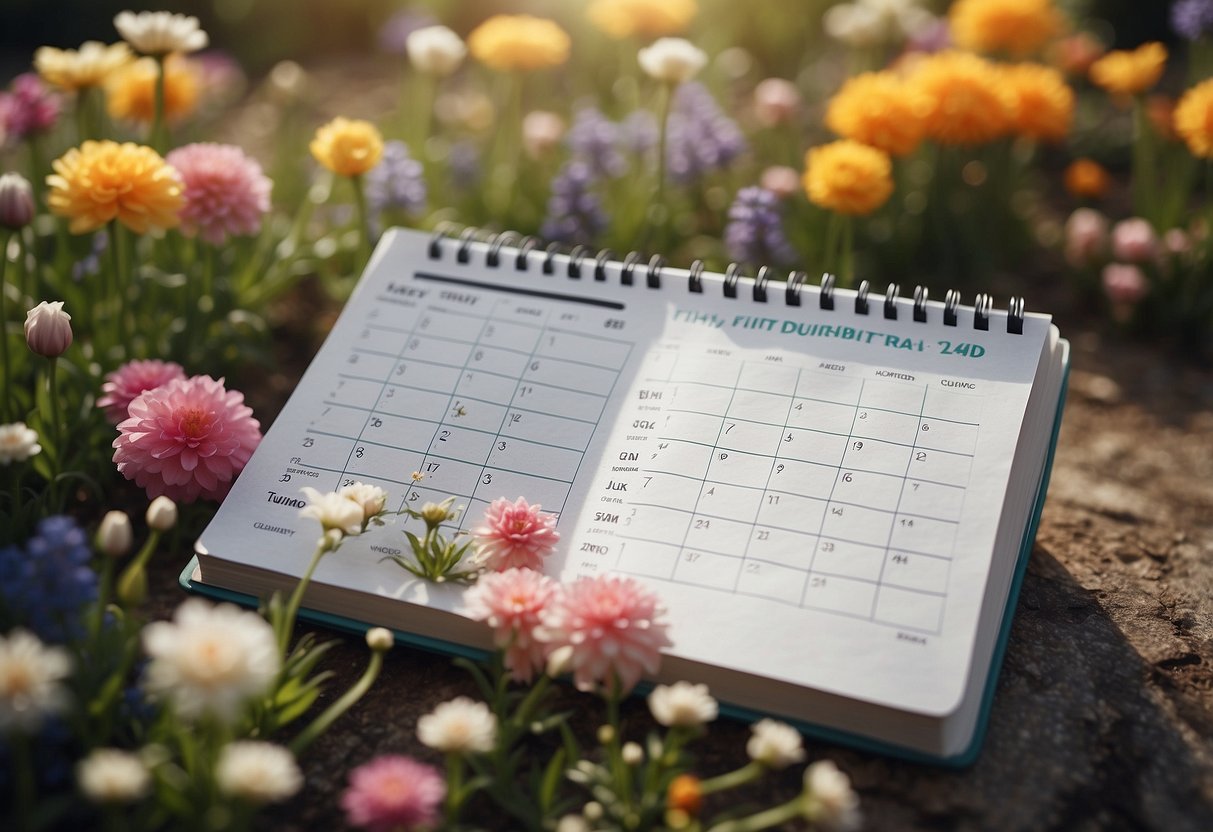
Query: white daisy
(159, 33)
(672, 60)
(31, 677)
(17, 443)
(682, 704)
(259, 772)
(829, 799)
(111, 775)
(774, 744)
(461, 725)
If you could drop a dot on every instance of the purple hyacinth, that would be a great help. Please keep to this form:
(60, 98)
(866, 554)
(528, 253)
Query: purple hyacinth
(1192, 19)
(700, 138)
(755, 230)
(594, 140)
(575, 214)
(46, 587)
(28, 107)
(397, 183)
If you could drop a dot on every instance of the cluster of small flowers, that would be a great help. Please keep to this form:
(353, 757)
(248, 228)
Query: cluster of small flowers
(46, 584)
(397, 183)
(575, 214)
(594, 140)
(702, 138)
(28, 108)
(755, 233)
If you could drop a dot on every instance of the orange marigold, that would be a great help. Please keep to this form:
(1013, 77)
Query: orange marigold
(642, 18)
(1019, 27)
(1129, 72)
(848, 177)
(519, 42)
(685, 794)
(131, 91)
(966, 101)
(878, 109)
(1042, 103)
(1086, 179)
(1193, 119)
(348, 147)
(102, 181)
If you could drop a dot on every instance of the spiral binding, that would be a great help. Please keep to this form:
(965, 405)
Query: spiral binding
(575, 260)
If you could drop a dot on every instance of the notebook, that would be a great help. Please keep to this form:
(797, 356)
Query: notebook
(834, 492)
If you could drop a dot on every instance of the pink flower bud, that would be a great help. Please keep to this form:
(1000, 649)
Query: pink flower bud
(776, 101)
(48, 329)
(541, 132)
(1176, 241)
(1086, 236)
(1134, 240)
(781, 181)
(16, 201)
(1125, 284)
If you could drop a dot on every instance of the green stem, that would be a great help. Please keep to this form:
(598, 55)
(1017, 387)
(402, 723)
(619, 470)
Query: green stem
(157, 137)
(7, 367)
(52, 423)
(296, 599)
(134, 577)
(105, 587)
(347, 701)
(454, 787)
(364, 224)
(1145, 174)
(766, 819)
(730, 780)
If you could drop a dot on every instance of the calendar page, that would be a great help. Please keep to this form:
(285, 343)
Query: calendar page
(813, 493)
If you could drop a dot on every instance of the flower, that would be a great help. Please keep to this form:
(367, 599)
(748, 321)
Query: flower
(868, 23)
(131, 91)
(435, 50)
(123, 386)
(31, 676)
(460, 726)
(780, 180)
(878, 109)
(1086, 179)
(1042, 103)
(380, 639)
(1134, 240)
(541, 132)
(28, 108)
(682, 704)
(257, 772)
(1192, 19)
(225, 191)
(103, 181)
(210, 660)
(1129, 72)
(111, 775)
(16, 201)
(774, 744)
(594, 139)
(848, 177)
(1086, 236)
(370, 498)
(631, 754)
(515, 535)
(187, 439)
(1193, 119)
(754, 233)
(966, 102)
(17, 443)
(397, 183)
(672, 60)
(48, 329)
(701, 139)
(161, 514)
(512, 602)
(685, 794)
(829, 800)
(1125, 285)
(89, 66)
(1176, 241)
(114, 535)
(1018, 27)
(776, 101)
(393, 792)
(348, 147)
(641, 18)
(48, 585)
(615, 629)
(519, 42)
(158, 33)
(334, 511)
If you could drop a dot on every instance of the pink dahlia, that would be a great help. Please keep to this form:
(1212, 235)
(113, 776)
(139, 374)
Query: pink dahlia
(225, 191)
(611, 625)
(122, 386)
(186, 439)
(391, 793)
(512, 603)
(515, 535)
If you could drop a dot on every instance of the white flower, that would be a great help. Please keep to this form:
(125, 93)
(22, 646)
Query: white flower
(48, 329)
(259, 772)
(672, 60)
(573, 823)
(162, 514)
(631, 754)
(682, 704)
(30, 681)
(435, 50)
(371, 498)
(541, 132)
(774, 744)
(158, 33)
(829, 799)
(110, 775)
(17, 443)
(210, 659)
(334, 511)
(114, 535)
(460, 725)
(873, 22)
(380, 639)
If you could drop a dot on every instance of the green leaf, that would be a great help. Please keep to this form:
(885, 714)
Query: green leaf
(551, 780)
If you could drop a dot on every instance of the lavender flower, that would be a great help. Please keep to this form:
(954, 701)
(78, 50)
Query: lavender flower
(46, 587)
(396, 183)
(29, 107)
(575, 214)
(755, 231)
(701, 138)
(594, 140)
(1192, 19)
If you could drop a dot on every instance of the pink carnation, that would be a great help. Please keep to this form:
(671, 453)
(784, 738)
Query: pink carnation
(512, 603)
(391, 793)
(132, 378)
(515, 535)
(186, 439)
(225, 191)
(611, 625)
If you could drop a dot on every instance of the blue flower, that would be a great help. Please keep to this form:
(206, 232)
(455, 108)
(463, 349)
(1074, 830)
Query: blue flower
(574, 212)
(47, 587)
(755, 230)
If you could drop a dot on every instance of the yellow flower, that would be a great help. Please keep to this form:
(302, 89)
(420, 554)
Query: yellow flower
(642, 18)
(102, 181)
(131, 91)
(1128, 72)
(349, 147)
(1018, 27)
(520, 41)
(848, 177)
(1194, 119)
(90, 66)
(966, 102)
(1086, 179)
(878, 109)
(1042, 103)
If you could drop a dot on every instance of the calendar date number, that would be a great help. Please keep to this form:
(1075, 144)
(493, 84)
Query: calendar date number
(967, 350)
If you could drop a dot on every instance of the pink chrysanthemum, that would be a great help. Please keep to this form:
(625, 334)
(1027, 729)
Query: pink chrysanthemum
(393, 792)
(123, 385)
(512, 603)
(225, 191)
(611, 625)
(515, 535)
(29, 107)
(186, 439)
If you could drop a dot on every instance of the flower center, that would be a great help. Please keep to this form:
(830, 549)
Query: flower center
(195, 423)
(17, 682)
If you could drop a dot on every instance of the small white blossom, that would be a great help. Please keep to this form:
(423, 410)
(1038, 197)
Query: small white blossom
(114, 535)
(159, 33)
(682, 704)
(829, 799)
(161, 514)
(775, 744)
(31, 677)
(541, 133)
(258, 772)
(672, 60)
(572, 823)
(111, 775)
(17, 443)
(435, 50)
(461, 726)
(631, 754)
(868, 23)
(371, 498)
(560, 661)
(380, 639)
(334, 512)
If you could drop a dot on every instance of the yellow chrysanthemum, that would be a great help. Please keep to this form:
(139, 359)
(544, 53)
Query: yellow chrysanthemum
(966, 102)
(1129, 72)
(89, 66)
(1042, 103)
(1018, 27)
(102, 181)
(1086, 179)
(878, 109)
(131, 91)
(848, 177)
(349, 147)
(519, 41)
(1193, 119)
(642, 18)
